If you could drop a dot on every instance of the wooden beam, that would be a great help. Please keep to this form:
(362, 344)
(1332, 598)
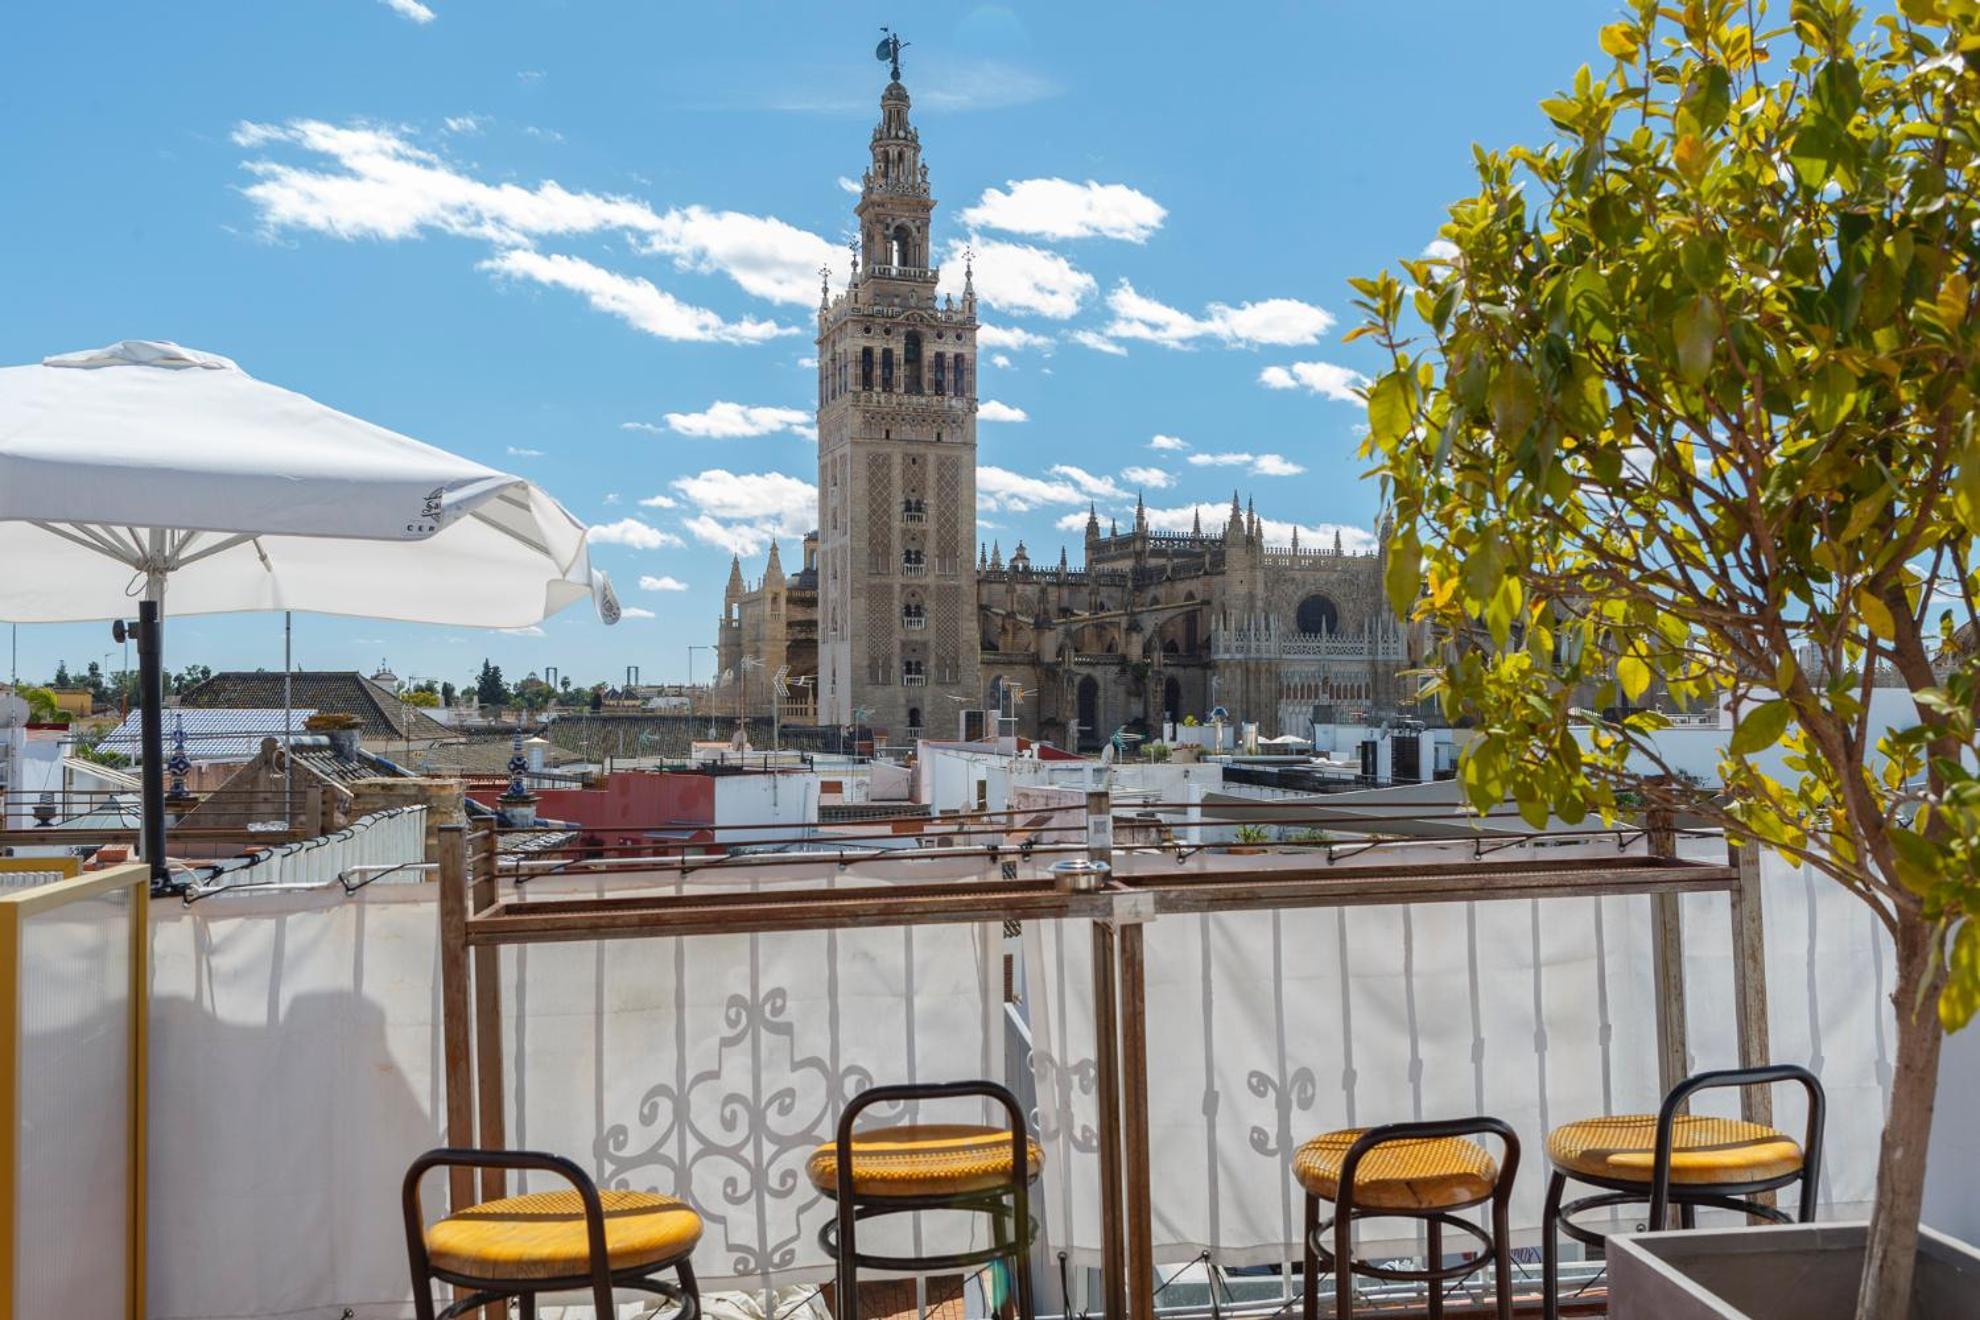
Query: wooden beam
(489, 1107)
(1134, 1124)
(456, 1011)
(1107, 1095)
(1749, 947)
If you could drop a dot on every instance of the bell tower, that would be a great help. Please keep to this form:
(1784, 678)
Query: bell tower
(896, 460)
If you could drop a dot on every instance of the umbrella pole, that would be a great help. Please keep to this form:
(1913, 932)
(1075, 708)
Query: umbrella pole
(151, 690)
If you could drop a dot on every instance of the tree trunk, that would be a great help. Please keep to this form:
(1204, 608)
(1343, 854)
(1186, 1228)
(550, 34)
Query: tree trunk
(1885, 1291)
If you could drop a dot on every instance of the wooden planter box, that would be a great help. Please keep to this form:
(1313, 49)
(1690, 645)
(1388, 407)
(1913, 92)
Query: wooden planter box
(1803, 1271)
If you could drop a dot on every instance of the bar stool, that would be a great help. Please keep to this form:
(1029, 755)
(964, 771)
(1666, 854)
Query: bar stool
(547, 1242)
(1673, 1158)
(1425, 1171)
(874, 1172)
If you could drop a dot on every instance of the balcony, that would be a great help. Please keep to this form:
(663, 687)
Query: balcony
(917, 569)
(901, 272)
(914, 517)
(914, 622)
(914, 680)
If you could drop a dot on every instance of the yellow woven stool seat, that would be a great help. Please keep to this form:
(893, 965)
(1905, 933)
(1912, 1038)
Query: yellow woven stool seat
(1703, 1149)
(1414, 1173)
(927, 1159)
(543, 1236)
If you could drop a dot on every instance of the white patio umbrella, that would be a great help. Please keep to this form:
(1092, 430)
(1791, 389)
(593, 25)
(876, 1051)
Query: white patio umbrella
(150, 473)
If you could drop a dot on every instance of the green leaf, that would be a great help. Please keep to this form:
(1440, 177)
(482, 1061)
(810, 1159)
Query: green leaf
(1388, 409)
(1876, 615)
(1634, 675)
(1706, 101)
(1696, 327)
(1831, 396)
(1619, 41)
(1761, 727)
(1513, 400)
(1960, 998)
(1402, 579)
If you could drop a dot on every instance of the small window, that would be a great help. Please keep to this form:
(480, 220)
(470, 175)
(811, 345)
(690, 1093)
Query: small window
(941, 373)
(911, 363)
(866, 367)
(886, 371)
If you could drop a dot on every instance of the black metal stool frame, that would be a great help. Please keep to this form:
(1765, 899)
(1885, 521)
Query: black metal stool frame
(1340, 1258)
(1008, 1206)
(602, 1280)
(1557, 1216)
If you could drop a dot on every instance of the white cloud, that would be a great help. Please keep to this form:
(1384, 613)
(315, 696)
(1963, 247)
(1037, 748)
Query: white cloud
(1152, 477)
(1099, 343)
(1259, 465)
(659, 501)
(1273, 321)
(1215, 517)
(1001, 490)
(1015, 277)
(990, 410)
(515, 452)
(411, 9)
(1000, 361)
(1010, 336)
(612, 498)
(1091, 486)
(743, 512)
(849, 185)
(530, 631)
(1440, 249)
(1071, 522)
(1322, 378)
(368, 181)
(765, 256)
(668, 583)
(636, 612)
(464, 125)
(1060, 208)
(633, 533)
(1168, 442)
(631, 298)
(807, 363)
(723, 420)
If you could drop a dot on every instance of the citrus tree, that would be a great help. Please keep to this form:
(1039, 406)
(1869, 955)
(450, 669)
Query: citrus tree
(1679, 412)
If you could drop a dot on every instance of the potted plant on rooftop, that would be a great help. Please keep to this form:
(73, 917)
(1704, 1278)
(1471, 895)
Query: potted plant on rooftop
(1684, 398)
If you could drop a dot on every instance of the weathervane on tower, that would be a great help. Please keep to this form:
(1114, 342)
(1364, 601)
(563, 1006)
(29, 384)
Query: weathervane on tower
(889, 50)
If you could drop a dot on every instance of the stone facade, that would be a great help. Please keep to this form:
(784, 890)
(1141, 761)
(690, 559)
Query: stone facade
(901, 630)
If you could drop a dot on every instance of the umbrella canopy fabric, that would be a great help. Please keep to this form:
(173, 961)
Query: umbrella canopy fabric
(147, 468)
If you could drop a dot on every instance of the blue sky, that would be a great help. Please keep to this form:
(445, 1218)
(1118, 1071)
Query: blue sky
(555, 236)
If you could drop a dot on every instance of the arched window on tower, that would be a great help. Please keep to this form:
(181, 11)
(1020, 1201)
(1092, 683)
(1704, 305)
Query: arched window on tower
(941, 373)
(903, 246)
(962, 377)
(887, 371)
(911, 363)
(866, 367)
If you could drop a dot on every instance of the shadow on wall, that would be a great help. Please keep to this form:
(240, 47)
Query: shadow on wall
(277, 1149)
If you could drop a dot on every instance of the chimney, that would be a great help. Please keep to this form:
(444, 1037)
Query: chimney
(343, 731)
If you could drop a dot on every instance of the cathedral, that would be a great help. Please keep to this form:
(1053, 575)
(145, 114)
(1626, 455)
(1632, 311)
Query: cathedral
(898, 623)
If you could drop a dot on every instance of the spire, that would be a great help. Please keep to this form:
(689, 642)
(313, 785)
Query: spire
(996, 555)
(824, 287)
(1113, 526)
(1140, 514)
(1196, 521)
(1295, 538)
(773, 573)
(982, 555)
(1092, 521)
(1337, 540)
(1062, 559)
(734, 590)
